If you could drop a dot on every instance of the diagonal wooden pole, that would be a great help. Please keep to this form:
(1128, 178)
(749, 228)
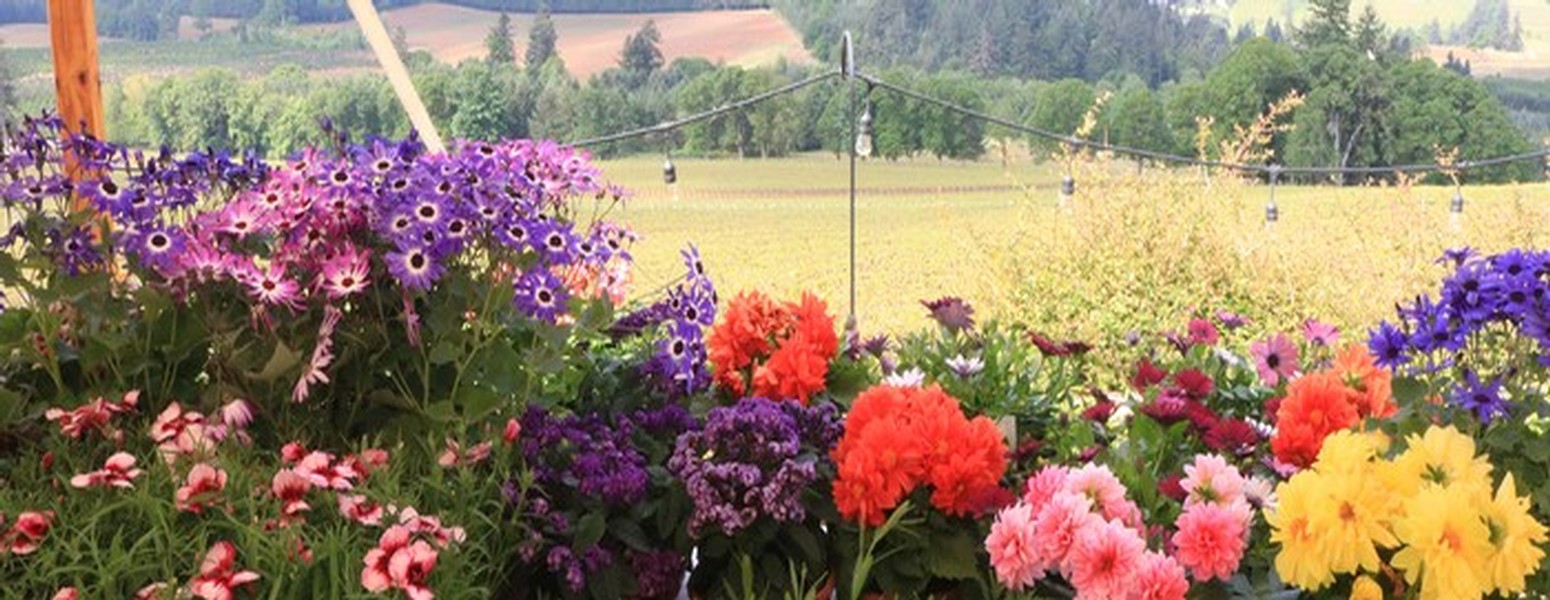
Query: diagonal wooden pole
(77, 82)
(381, 44)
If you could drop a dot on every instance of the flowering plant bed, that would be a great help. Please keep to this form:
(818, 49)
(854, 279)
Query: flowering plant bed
(374, 370)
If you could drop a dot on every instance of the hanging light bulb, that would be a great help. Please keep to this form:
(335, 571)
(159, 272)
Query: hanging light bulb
(1067, 189)
(669, 171)
(864, 132)
(1273, 212)
(1456, 211)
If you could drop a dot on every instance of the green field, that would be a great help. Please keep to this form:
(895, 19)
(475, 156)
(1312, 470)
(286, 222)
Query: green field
(782, 226)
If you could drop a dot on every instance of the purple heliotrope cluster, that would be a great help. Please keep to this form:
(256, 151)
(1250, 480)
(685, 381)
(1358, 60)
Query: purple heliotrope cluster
(592, 461)
(1504, 292)
(592, 453)
(679, 366)
(752, 460)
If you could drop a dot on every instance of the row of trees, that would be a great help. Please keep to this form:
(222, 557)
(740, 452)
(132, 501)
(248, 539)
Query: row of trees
(1041, 39)
(156, 19)
(1366, 104)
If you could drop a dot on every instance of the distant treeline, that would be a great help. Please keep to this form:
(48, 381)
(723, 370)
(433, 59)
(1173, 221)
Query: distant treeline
(1041, 39)
(153, 19)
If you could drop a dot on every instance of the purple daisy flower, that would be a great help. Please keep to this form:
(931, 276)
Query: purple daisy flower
(1483, 399)
(414, 267)
(1389, 346)
(556, 243)
(951, 313)
(1319, 333)
(692, 262)
(1275, 359)
(158, 246)
(1231, 320)
(516, 234)
(540, 295)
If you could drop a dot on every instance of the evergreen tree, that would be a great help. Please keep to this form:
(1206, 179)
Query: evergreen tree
(7, 86)
(641, 56)
(1329, 23)
(541, 41)
(1245, 33)
(1371, 34)
(497, 44)
(1273, 31)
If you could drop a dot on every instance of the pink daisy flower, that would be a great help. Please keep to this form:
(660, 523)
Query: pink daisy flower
(1211, 538)
(1105, 559)
(1210, 480)
(273, 287)
(1161, 578)
(1012, 549)
(1275, 359)
(345, 273)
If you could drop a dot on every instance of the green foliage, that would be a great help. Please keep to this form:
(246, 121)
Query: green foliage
(485, 108)
(1061, 107)
(1012, 380)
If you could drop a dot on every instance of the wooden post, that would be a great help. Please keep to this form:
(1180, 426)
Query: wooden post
(77, 82)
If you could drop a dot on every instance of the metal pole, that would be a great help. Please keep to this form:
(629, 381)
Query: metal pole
(850, 74)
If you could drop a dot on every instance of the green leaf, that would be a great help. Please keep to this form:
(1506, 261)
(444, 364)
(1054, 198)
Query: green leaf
(952, 556)
(629, 532)
(477, 402)
(283, 360)
(806, 542)
(1408, 390)
(589, 530)
(442, 411)
(446, 351)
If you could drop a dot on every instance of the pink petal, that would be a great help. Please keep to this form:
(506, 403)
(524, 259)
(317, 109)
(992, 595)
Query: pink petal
(219, 559)
(375, 580)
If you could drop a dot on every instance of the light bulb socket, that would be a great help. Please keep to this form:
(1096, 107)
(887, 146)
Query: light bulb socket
(1068, 186)
(1457, 206)
(669, 171)
(1272, 213)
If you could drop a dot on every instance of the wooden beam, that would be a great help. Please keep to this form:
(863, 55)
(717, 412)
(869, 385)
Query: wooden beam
(398, 75)
(77, 82)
